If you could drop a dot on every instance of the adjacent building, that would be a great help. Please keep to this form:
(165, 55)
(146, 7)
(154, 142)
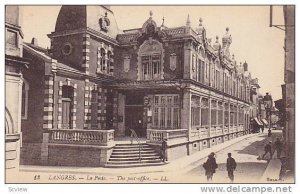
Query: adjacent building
(289, 79)
(97, 83)
(14, 87)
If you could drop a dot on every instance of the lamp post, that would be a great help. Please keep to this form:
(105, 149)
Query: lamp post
(268, 102)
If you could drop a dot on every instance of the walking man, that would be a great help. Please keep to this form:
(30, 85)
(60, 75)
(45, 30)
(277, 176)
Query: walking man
(164, 150)
(231, 166)
(278, 147)
(210, 166)
(268, 149)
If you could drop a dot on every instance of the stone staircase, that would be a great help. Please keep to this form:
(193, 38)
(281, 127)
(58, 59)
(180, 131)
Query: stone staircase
(127, 155)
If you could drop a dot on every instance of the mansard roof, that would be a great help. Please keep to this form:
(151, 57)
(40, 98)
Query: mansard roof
(97, 18)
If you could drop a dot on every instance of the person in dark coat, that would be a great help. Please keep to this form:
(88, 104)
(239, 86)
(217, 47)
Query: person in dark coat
(269, 133)
(210, 166)
(164, 150)
(278, 147)
(231, 166)
(262, 128)
(268, 149)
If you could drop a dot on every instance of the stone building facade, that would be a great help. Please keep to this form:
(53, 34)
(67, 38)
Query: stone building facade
(14, 87)
(289, 80)
(97, 82)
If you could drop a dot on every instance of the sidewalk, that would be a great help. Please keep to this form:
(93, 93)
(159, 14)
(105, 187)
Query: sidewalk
(180, 165)
(271, 174)
(272, 171)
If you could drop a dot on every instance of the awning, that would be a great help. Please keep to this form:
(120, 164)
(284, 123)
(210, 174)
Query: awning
(258, 121)
(264, 121)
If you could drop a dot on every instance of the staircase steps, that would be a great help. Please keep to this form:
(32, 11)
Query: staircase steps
(127, 155)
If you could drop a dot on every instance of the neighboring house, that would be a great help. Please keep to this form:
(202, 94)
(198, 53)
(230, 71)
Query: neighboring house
(15, 86)
(97, 82)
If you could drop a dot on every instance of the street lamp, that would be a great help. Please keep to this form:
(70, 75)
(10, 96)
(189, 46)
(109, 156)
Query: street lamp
(268, 102)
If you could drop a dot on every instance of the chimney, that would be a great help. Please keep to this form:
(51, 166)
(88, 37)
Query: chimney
(34, 41)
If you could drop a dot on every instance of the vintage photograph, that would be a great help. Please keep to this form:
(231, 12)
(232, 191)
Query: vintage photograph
(149, 94)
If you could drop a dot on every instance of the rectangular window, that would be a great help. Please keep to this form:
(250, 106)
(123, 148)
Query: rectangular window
(166, 112)
(94, 109)
(204, 112)
(220, 113)
(213, 113)
(155, 117)
(151, 67)
(213, 76)
(232, 113)
(195, 111)
(226, 115)
(241, 116)
(218, 86)
(12, 38)
(199, 70)
(202, 71)
(235, 115)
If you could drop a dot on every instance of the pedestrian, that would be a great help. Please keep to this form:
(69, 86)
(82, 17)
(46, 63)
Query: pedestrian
(278, 147)
(262, 128)
(269, 133)
(231, 166)
(268, 149)
(164, 150)
(210, 166)
(251, 127)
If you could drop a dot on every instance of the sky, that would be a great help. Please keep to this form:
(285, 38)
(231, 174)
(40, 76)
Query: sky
(253, 40)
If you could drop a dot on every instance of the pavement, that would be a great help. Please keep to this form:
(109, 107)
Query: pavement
(245, 149)
(272, 171)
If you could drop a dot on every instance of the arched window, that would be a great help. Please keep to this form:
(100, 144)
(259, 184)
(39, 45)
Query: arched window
(150, 60)
(67, 98)
(25, 89)
(109, 63)
(102, 60)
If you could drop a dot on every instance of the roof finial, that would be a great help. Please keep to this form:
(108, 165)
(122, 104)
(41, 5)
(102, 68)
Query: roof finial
(227, 29)
(188, 22)
(151, 14)
(105, 13)
(200, 20)
(217, 39)
(163, 19)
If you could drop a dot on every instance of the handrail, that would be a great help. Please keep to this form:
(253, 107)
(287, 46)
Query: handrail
(133, 134)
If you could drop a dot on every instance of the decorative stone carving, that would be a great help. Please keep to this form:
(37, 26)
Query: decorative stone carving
(104, 23)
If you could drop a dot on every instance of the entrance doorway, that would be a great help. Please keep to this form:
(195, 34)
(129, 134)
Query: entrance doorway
(134, 115)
